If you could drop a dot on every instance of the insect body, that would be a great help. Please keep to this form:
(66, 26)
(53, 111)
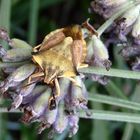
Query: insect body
(60, 54)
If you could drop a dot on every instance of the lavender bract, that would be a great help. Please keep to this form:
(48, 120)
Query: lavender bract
(34, 97)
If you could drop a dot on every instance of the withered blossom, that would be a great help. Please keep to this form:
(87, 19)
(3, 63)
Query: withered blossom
(106, 8)
(130, 51)
(126, 22)
(136, 65)
(98, 56)
(130, 32)
(16, 77)
(48, 87)
(126, 28)
(4, 36)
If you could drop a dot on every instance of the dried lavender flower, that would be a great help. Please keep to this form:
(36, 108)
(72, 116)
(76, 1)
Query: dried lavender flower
(49, 88)
(4, 36)
(23, 91)
(130, 51)
(80, 98)
(125, 23)
(108, 3)
(100, 50)
(106, 8)
(2, 51)
(73, 123)
(130, 17)
(61, 122)
(136, 65)
(125, 28)
(17, 77)
(98, 56)
(17, 55)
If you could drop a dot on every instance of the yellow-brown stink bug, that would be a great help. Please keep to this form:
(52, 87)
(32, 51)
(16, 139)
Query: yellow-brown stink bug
(60, 54)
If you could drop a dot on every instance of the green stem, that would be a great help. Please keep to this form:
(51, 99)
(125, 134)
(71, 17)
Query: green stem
(5, 13)
(111, 116)
(112, 72)
(114, 101)
(100, 115)
(99, 125)
(110, 21)
(113, 89)
(33, 20)
(128, 132)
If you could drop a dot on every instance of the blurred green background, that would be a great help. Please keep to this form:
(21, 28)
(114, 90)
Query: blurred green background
(31, 20)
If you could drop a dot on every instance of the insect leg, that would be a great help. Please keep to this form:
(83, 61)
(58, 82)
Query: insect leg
(57, 86)
(35, 49)
(35, 75)
(72, 80)
(88, 26)
(52, 100)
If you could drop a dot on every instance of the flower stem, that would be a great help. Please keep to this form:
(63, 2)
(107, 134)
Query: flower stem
(34, 6)
(123, 8)
(5, 13)
(112, 72)
(111, 116)
(114, 101)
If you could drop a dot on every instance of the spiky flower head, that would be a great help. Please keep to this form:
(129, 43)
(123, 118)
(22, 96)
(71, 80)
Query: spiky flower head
(106, 8)
(125, 29)
(37, 98)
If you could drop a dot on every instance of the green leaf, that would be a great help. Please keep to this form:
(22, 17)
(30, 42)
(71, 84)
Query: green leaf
(114, 90)
(33, 20)
(100, 125)
(47, 3)
(129, 128)
(136, 98)
(5, 12)
(114, 101)
(111, 116)
(112, 72)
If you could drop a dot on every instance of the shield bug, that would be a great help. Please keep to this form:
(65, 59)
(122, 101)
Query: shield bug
(61, 53)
